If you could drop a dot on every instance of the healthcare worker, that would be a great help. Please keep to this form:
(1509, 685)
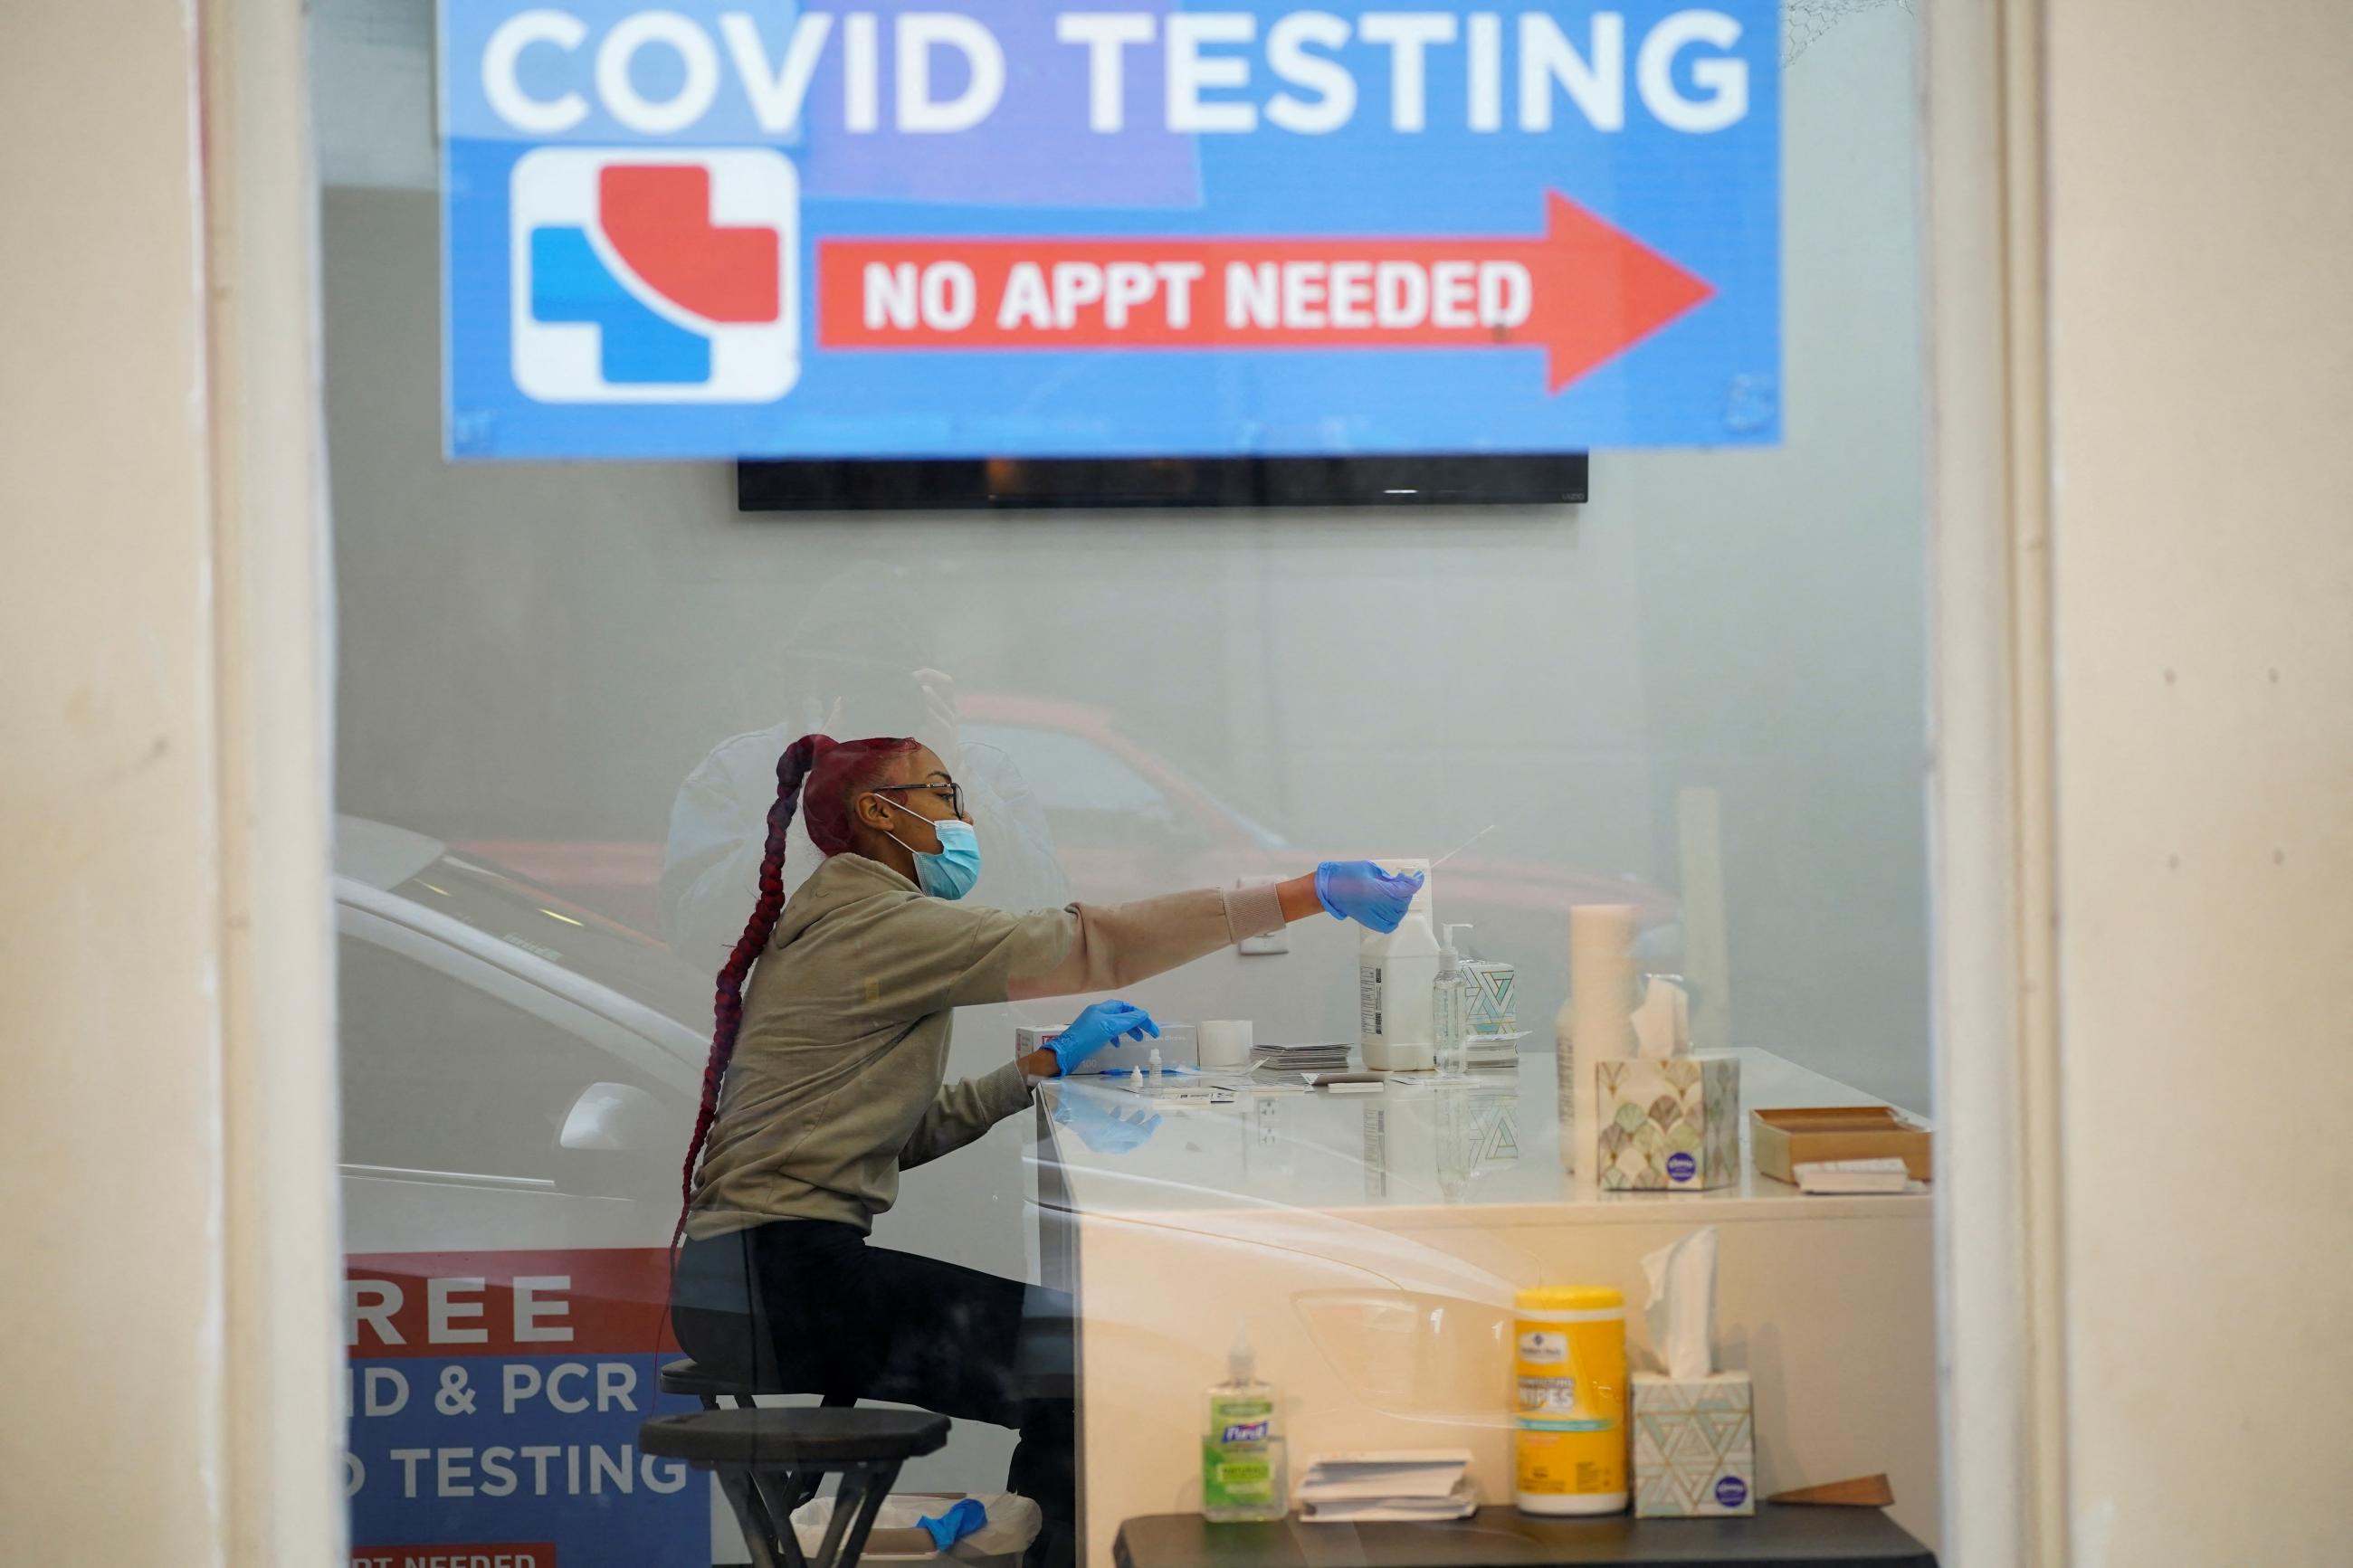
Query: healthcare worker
(826, 1080)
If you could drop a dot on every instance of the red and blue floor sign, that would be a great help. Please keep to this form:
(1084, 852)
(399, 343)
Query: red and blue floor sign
(494, 1400)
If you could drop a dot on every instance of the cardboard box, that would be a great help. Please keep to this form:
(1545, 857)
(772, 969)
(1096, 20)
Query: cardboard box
(1784, 1139)
(1670, 1125)
(1694, 1446)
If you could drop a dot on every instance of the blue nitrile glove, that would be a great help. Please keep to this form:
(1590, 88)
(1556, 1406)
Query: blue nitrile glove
(1104, 1131)
(1102, 1025)
(953, 1526)
(1361, 891)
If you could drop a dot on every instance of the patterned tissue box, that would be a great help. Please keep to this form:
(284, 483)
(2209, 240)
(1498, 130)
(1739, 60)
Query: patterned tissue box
(1670, 1125)
(1694, 1446)
(1494, 997)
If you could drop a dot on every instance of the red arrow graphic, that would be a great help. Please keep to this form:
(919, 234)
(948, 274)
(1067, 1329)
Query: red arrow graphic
(1583, 291)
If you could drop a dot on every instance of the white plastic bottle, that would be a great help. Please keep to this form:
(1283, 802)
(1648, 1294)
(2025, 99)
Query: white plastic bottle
(1244, 1477)
(1396, 976)
(1450, 1011)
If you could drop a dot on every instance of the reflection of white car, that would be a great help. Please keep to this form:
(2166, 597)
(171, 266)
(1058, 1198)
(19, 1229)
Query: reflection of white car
(514, 1071)
(1128, 822)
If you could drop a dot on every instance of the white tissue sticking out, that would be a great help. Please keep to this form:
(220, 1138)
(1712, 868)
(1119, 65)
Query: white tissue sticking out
(1662, 1022)
(1681, 1313)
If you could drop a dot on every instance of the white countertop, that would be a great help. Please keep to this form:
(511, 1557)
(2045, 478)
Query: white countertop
(1418, 1149)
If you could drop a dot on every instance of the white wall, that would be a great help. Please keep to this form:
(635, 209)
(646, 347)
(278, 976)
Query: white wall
(2201, 353)
(165, 1196)
(106, 789)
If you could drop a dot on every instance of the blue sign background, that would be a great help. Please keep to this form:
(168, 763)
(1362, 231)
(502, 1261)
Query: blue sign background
(596, 1526)
(1707, 201)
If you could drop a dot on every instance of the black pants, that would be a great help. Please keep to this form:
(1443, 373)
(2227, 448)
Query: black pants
(810, 1307)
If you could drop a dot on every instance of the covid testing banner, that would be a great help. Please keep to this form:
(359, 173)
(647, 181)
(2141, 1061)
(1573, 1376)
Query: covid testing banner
(1017, 228)
(494, 1400)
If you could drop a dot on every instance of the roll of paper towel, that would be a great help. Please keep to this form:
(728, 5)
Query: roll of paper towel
(1226, 1042)
(1601, 1004)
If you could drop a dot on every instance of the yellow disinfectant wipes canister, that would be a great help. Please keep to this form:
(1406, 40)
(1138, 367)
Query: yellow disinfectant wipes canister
(1569, 1352)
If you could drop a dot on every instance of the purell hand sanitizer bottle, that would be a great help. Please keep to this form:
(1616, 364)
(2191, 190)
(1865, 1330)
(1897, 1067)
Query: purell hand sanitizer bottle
(1451, 1013)
(1243, 1475)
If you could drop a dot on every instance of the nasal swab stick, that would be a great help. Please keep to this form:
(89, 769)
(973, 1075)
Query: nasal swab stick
(1466, 844)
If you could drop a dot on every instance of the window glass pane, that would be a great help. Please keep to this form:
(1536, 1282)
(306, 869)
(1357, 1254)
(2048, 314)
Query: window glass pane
(568, 690)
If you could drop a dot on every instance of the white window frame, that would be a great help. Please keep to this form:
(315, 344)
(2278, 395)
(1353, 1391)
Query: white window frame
(2003, 1411)
(1999, 1258)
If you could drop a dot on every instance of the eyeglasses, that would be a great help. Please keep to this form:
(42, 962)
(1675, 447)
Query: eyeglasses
(955, 792)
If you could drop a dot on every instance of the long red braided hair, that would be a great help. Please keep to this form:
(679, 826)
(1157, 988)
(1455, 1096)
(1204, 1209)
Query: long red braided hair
(831, 776)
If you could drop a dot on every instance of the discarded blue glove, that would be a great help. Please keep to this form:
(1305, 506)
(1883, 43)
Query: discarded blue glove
(1361, 891)
(955, 1525)
(1104, 1131)
(1102, 1025)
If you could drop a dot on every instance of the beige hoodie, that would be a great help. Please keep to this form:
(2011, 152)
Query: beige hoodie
(837, 1081)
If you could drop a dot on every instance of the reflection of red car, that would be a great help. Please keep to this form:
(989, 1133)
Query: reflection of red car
(1126, 823)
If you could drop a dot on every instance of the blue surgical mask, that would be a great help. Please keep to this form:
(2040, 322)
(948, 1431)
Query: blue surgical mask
(950, 873)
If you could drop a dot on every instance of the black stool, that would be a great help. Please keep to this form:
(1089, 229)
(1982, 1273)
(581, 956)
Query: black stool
(714, 1391)
(771, 1462)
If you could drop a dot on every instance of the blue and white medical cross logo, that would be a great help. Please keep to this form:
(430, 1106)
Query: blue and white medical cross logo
(654, 275)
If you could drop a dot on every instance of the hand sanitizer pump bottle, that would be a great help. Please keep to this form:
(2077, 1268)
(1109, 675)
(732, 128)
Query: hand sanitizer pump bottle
(1244, 1477)
(1451, 1011)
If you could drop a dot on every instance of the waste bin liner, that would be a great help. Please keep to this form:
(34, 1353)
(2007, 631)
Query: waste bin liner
(898, 1536)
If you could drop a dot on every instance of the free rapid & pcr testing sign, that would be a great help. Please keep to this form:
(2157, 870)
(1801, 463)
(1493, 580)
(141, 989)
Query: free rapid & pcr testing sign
(1013, 228)
(493, 1401)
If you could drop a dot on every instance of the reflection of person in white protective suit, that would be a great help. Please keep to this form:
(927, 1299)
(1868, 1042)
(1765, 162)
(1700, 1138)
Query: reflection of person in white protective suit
(719, 822)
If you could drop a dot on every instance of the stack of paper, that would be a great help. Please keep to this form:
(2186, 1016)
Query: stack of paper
(1498, 1055)
(1300, 1058)
(1827, 1176)
(1406, 1484)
